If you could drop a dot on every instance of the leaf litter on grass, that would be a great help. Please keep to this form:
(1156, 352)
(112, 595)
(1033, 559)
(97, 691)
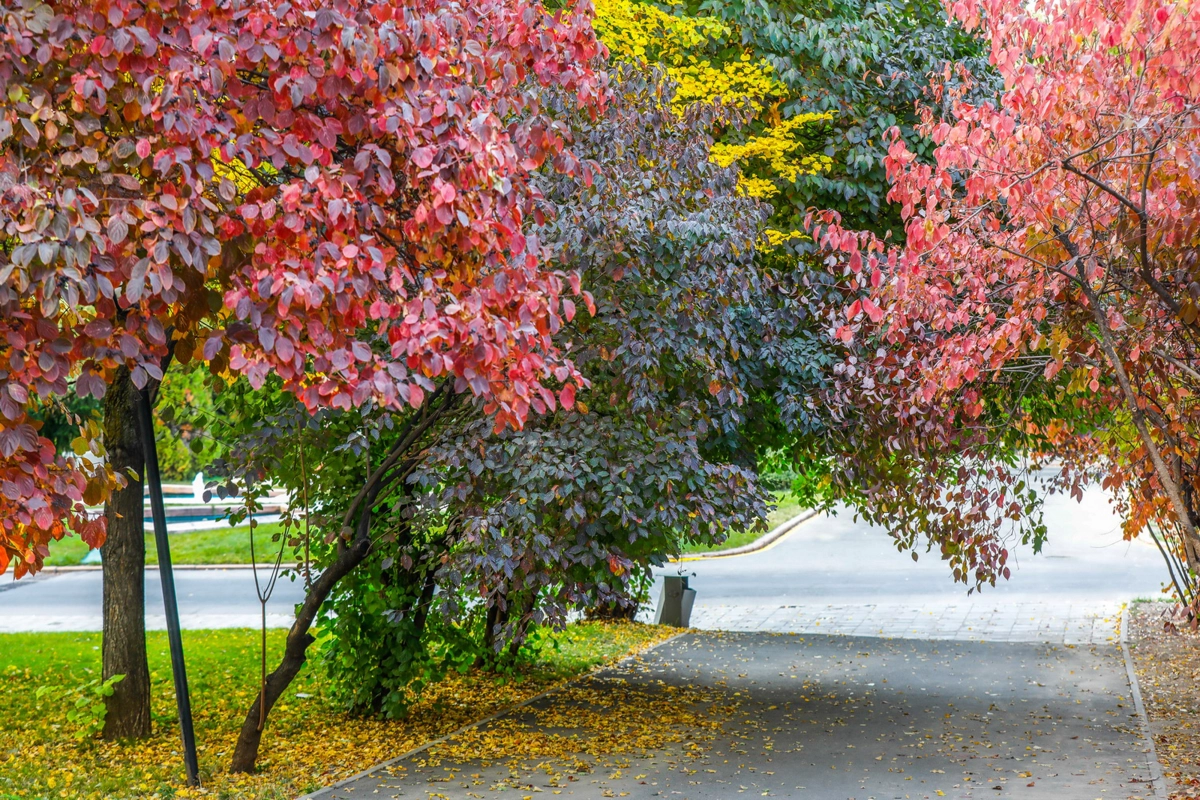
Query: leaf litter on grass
(309, 743)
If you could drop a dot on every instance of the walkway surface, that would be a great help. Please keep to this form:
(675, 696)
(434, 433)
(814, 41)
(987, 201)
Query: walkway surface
(850, 672)
(823, 717)
(853, 673)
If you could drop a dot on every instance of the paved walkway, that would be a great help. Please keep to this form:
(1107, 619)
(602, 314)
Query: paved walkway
(852, 672)
(980, 620)
(824, 717)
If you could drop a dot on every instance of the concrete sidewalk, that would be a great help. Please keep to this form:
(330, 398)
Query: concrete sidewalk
(964, 619)
(807, 716)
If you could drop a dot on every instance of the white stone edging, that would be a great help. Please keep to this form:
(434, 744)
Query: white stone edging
(1158, 786)
(761, 543)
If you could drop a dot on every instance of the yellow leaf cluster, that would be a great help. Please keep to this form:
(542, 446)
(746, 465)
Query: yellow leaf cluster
(774, 237)
(642, 32)
(780, 152)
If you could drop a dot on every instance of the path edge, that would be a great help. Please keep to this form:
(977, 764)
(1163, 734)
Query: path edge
(761, 543)
(1158, 783)
(323, 792)
(66, 570)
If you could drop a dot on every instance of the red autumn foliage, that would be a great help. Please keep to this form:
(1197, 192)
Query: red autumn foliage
(331, 191)
(1051, 257)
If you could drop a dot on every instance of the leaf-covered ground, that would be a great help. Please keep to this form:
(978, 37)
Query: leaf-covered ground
(1166, 655)
(310, 742)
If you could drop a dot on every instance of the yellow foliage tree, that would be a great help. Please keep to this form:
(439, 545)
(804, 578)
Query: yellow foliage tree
(704, 57)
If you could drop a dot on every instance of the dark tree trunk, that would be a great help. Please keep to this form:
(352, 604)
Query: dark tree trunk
(495, 619)
(421, 613)
(394, 468)
(431, 566)
(245, 753)
(124, 555)
(612, 611)
(526, 619)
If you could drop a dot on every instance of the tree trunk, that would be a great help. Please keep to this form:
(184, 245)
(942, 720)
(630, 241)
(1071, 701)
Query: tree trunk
(611, 611)
(495, 619)
(245, 753)
(522, 630)
(124, 553)
(421, 612)
(436, 405)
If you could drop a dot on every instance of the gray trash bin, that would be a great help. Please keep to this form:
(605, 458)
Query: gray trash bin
(675, 602)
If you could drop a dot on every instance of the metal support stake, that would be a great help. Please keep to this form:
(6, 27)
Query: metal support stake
(167, 577)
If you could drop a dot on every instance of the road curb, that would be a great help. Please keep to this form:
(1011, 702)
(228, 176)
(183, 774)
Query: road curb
(321, 794)
(1158, 785)
(100, 567)
(761, 543)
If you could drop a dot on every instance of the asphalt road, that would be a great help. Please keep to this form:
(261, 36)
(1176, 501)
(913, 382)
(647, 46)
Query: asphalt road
(207, 599)
(833, 559)
(828, 560)
(805, 717)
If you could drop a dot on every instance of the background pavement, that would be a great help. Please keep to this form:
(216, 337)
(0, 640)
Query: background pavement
(72, 601)
(831, 575)
(835, 575)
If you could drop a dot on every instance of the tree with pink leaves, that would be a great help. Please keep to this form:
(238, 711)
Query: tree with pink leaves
(1045, 301)
(331, 192)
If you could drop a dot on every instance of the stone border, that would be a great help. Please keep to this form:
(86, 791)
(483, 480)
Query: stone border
(48, 571)
(761, 543)
(323, 792)
(1158, 784)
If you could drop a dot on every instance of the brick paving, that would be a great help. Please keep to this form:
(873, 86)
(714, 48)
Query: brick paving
(1051, 621)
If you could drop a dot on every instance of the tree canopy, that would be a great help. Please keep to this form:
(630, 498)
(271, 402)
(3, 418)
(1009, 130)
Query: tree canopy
(864, 65)
(333, 194)
(514, 528)
(1047, 293)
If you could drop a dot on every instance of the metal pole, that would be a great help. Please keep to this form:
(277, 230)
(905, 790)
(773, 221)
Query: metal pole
(167, 577)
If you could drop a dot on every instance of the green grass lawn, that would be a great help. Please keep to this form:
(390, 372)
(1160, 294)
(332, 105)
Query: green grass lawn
(309, 742)
(232, 545)
(786, 507)
(221, 546)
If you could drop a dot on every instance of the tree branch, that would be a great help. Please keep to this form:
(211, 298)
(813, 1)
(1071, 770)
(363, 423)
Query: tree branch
(1147, 270)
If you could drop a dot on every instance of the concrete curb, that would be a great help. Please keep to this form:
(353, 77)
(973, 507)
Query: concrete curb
(761, 543)
(1158, 785)
(99, 567)
(321, 794)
